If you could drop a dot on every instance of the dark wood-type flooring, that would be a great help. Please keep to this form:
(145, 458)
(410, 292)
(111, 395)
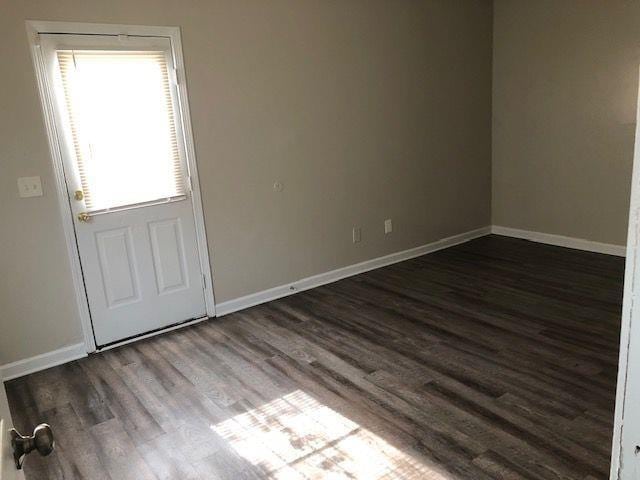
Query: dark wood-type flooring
(492, 359)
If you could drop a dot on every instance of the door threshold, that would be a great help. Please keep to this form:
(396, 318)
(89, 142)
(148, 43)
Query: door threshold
(152, 333)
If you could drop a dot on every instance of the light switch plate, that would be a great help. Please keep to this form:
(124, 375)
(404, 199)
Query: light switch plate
(29, 187)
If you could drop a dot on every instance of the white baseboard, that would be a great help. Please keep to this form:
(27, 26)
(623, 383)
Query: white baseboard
(247, 301)
(40, 362)
(561, 241)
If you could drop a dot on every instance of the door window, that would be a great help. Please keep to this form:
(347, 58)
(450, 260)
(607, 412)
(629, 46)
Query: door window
(122, 125)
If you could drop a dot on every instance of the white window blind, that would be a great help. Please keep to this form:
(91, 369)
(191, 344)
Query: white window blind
(122, 124)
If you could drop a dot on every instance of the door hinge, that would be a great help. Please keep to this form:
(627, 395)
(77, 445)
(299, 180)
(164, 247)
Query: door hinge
(174, 76)
(204, 282)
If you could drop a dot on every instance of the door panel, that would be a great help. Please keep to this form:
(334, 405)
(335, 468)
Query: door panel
(167, 245)
(118, 266)
(124, 160)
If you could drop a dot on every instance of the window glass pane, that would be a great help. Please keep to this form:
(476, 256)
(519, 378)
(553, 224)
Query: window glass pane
(123, 126)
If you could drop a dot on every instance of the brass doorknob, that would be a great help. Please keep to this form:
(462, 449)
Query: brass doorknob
(84, 217)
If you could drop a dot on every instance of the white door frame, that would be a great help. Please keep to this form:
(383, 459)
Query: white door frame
(34, 28)
(629, 309)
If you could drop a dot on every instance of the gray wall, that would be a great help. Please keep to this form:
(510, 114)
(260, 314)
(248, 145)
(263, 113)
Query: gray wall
(565, 81)
(364, 109)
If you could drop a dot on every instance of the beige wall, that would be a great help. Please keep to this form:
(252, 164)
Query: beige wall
(364, 109)
(565, 81)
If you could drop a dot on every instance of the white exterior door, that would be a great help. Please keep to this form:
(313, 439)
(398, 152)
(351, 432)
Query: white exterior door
(121, 136)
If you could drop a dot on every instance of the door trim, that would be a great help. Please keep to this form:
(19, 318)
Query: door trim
(629, 328)
(34, 28)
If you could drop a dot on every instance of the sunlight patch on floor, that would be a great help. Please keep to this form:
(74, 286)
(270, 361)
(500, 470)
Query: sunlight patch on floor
(296, 437)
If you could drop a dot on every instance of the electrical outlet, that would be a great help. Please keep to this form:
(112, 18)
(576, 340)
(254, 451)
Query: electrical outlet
(29, 187)
(388, 226)
(357, 234)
